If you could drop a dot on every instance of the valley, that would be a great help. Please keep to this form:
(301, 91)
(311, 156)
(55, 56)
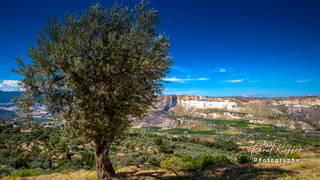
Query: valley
(183, 137)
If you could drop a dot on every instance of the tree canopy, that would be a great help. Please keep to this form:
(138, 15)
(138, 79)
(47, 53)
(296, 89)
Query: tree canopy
(97, 71)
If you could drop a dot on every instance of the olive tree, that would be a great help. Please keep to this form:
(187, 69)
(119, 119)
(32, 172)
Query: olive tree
(97, 71)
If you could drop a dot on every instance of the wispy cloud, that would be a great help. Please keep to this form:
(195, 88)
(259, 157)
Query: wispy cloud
(222, 70)
(234, 80)
(303, 80)
(180, 69)
(9, 85)
(181, 80)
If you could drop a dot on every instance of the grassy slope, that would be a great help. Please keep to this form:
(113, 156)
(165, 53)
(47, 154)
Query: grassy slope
(308, 168)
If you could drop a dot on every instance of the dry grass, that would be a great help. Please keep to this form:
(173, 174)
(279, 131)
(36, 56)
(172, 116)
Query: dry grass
(77, 175)
(307, 169)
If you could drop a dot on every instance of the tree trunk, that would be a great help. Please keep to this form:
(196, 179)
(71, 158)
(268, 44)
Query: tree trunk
(103, 163)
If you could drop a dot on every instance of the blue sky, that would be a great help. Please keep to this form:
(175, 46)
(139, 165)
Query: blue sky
(219, 47)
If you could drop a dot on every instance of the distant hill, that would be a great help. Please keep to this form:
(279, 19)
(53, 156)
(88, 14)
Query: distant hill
(7, 96)
(7, 115)
(292, 112)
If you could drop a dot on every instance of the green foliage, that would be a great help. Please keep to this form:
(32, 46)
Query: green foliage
(203, 161)
(63, 162)
(157, 141)
(88, 159)
(65, 171)
(221, 160)
(154, 162)
(244, 158)
(132, 147)
(5, 170)
(177, 164)
(186, 162)
(42, 161)
(266, 129)
(26, 172)
(206, 160)
(177, 131)
(165, 149)
(293, 155)
(45, 153)
(98, 71)
(226, 145)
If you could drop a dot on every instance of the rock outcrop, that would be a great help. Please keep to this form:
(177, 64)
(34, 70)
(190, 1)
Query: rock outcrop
(292, 112)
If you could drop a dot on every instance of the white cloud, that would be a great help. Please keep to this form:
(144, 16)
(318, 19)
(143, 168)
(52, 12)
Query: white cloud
(303, 80)
(235, 81)
(222, 70)
(181, 80)
(9, 85)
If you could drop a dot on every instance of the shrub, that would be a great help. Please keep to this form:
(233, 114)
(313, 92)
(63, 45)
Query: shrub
(5, 171)
(293, 155)
(221, 160)
(88, 159)
(20, 162)
(140, 158)
(177, 164)
(157, 141)
(154, 162)
(63, 162)
(226, 145)
(244, 158)
(174, 139)
(132, 147)
(114, 149)
(165, 149)
(203, 161)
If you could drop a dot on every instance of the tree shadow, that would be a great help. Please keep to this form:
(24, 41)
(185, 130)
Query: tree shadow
(153, 173)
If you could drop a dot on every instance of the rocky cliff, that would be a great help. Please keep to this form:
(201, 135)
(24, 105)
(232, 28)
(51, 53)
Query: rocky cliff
(293, 112)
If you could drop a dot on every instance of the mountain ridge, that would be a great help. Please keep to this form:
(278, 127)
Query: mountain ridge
(290, 112)
(302, 112)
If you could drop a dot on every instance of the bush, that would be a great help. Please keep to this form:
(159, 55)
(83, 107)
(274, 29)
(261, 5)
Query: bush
(5, 171)
(157, 141)
(174, 139)
(140, 158)
(88, 159)
(20, 162)
(203, 161)
(244, 158)
(132, 147)
(177, 164)
(165, 149)
(226, 145)
(42, 161)
(62, 162)
(293, 155)
(221, 160)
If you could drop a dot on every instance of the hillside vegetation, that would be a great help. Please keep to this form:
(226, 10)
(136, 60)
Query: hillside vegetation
(32, 150)
(171, 143)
